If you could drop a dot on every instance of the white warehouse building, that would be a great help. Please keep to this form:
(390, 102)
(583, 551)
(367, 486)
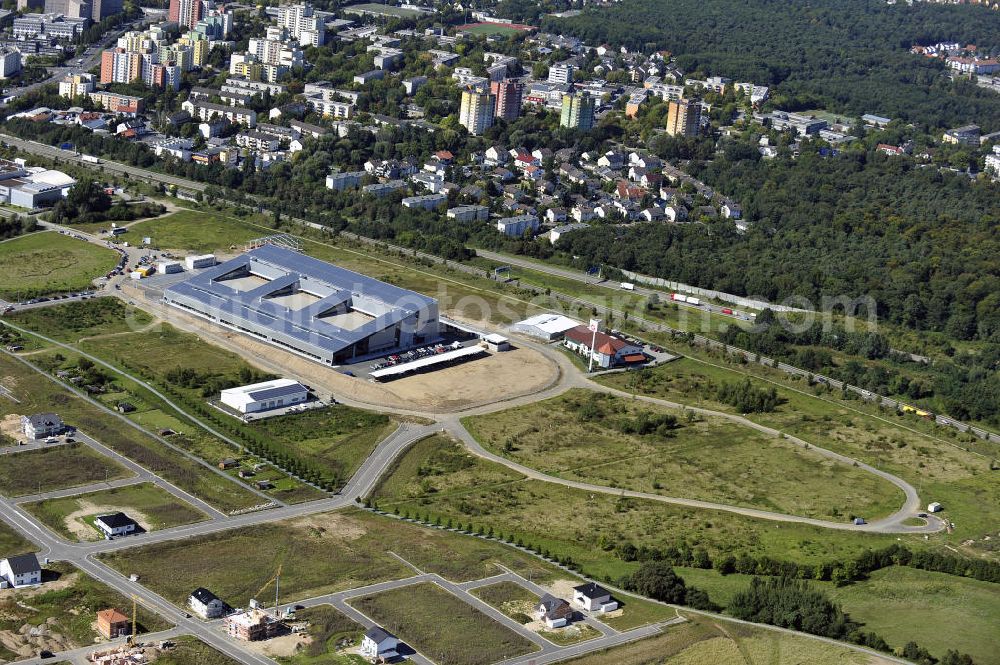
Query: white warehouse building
(264, 396)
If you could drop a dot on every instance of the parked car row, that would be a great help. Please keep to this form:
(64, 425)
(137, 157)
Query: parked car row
(409, 356)
(83, 295)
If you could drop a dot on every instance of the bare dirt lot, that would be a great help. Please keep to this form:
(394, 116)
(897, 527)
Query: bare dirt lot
(83, 531)
(11, 426)
(494, 378)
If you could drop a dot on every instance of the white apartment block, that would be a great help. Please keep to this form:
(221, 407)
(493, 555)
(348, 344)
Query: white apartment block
(206, 111)
(561, 73)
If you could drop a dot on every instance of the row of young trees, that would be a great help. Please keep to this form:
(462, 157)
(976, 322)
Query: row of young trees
(841, 572)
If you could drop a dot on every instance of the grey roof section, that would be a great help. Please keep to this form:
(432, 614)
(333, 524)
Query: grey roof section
(379, 634)
(274, 393)
(292, 269)
(203, 595)
(23, 564)
(592, 590)
(116, 520)
(45, 420)
(550, 603)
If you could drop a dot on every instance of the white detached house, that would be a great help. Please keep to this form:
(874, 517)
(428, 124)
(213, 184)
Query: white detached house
(116, 524)
(206, 604)
(20, 571)
(379, 643)
(593, 597)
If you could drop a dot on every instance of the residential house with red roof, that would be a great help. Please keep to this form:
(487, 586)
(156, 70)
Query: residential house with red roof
(608, 351)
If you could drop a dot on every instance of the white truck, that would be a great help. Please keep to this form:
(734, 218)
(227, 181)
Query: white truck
(628, 286)
(90, 159)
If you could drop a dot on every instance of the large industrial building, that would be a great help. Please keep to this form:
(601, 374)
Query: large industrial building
(307, 306)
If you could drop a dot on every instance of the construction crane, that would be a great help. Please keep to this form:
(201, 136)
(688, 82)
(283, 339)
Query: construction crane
(277, 583)
(131, 638)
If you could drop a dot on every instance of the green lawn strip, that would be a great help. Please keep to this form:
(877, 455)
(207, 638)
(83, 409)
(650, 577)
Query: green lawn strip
(440, 626)
(598, 438)
(510, 598)
(41, 264)
(338, 438)
(59, 467)
(190, 650)
(67, 603)
(634, 612)
(12, 542)
(491, 29)
(158, 508)
(330, 631)
(70, 321)
(939, 468)
(38, 394)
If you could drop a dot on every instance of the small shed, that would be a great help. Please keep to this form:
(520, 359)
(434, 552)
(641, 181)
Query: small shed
(934, 507)
(497, 343)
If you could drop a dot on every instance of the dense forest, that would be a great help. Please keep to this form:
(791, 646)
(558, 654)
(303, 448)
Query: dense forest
(965, 385)
(922, 243)
(849, 56)
(11, 227)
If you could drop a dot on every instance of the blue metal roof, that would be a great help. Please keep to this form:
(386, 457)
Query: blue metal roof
(274, 393)
(302, 324)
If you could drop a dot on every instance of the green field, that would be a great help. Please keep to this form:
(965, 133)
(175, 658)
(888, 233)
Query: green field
(703, 641)
(438, 478)
(892, 603)
(333, 441)
(195, 231)
(896, 602)
(12, 542)
(337, 438)
(66, 603)
(56, 468)
(510, 598)
(615, 442)
(916, 451)
(124, 336)
(192, 651)
(151, 506)
(318, 554)
(45, 263)
(330, 632)
(487, 29)
(71, 321)
(415, 615)
(381, 10)
(37, 394)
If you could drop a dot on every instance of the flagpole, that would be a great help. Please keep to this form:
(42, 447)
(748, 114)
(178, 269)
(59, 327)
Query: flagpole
(593, 340)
